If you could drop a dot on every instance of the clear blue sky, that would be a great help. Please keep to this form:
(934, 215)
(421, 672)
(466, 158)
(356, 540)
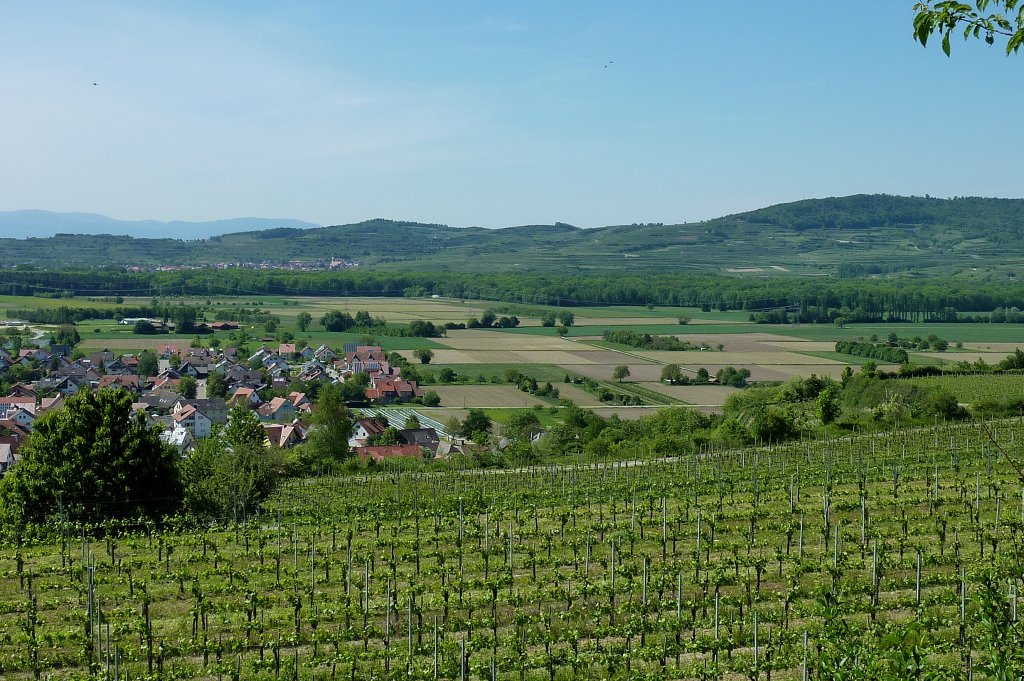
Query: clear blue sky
(491, 114)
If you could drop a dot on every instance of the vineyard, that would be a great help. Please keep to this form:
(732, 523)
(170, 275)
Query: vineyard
(886, 556)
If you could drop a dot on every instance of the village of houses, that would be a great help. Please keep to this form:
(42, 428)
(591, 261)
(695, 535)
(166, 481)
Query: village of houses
(284, 414)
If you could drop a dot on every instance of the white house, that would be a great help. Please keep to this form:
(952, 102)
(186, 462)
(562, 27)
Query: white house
(195, 421)
(179, 438)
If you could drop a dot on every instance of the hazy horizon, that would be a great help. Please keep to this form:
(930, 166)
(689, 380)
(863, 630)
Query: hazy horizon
(585, 113)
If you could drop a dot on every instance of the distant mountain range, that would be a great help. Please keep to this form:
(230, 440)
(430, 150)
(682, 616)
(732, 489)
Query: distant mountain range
(846, 236)
(23, 224)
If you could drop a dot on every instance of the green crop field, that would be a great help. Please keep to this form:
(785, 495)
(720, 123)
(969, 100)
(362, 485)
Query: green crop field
(972, 389)
(817, 559)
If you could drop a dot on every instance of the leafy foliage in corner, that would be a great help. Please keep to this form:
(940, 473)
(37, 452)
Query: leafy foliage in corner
(978, 21)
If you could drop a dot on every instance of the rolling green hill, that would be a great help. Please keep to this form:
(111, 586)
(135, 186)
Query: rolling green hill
(848, 236)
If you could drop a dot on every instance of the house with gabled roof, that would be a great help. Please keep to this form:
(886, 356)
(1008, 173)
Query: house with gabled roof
(166, 383)
(300, 401)
(214, 408)
(389, 391)
(366, 358)
(130, 382)
(246, 395)
(160, 399)
(8, 455)
(447, 449)
(23, 390)
(60, 349)
(116, 368)
(16, 401)
(63, 385)
(282, 435)
(276, 366)
(100, 358)
(195, 421)
(83, 372)
(364, 429)
(314, 374)
(165, 351)
(239, 375)
(421, 437)
(277, 409)
(36, 354)
(261, 354)
(325, 354)
(195, 367)
(24, 415)
(49, 403)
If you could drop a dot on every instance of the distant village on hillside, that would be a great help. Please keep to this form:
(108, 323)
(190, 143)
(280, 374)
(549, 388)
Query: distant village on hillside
(327, 265)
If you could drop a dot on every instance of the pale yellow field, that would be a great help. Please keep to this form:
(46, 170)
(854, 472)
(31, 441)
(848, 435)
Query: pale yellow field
(765, 372)
(755, 341)
(637, 372)
(704, 395)
(481, 339)
(625, 413)
(735, 359)
(990, 357)
(484, 396)
(630, 321)
(577, 395)
(392, 309)
(803, 346)
(139, 342)
(442, 356)
(1001, 348)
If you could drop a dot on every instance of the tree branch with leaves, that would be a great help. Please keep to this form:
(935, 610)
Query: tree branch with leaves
(988, 20)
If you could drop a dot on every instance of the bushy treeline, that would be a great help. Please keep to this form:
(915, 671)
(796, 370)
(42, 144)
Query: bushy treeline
(811, 299)
(184, 317)
(645, 341)
(490, 319)
(362, 322)
(246, 314)
(879, 351)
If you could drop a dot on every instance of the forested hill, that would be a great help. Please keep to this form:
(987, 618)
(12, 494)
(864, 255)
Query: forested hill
(848, 236)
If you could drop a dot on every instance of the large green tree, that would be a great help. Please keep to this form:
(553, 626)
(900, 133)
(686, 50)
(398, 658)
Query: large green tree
(149, 365)
(231, 473)
(522, 424)
(94, 460)
(327, 444)
(476, 426)
(188, 387)
(216, 386)
(990, 20)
